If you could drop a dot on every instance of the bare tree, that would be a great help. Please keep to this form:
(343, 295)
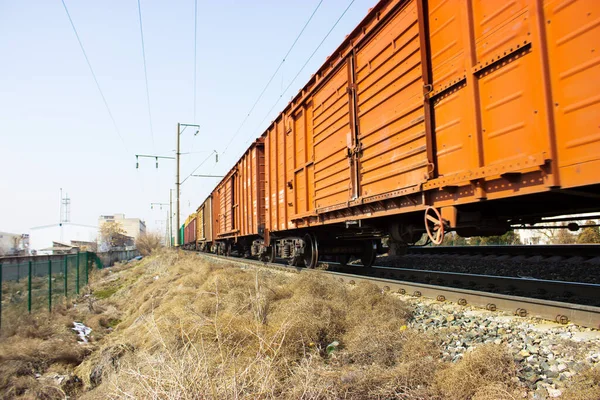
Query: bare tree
(112, 234)
(589, 233)
(148, 243)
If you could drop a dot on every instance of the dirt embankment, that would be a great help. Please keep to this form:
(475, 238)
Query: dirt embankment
(177, 326)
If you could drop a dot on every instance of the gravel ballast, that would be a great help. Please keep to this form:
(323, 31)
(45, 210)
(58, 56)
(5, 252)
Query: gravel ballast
(548, 354)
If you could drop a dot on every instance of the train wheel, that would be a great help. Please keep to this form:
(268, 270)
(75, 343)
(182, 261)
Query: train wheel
(268, 255)
(295, 262)
(434, 224)
(367, 257)
(311, 251)
(228, 250)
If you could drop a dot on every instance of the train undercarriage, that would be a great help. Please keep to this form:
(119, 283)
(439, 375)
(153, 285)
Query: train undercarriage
(363, 240)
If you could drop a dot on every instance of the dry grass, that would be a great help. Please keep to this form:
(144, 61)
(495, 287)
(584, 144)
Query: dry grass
(191, 329)
(34, 347)
(186, 328)
(482, 374)
(39, 352)
(586, 386)
(194, 330)
(149, 243)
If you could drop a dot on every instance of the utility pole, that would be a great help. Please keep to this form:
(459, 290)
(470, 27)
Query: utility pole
(166, 221)
(170, 217)
(177, 182)
(177, 152)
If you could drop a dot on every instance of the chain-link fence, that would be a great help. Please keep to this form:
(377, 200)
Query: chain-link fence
(40, 283)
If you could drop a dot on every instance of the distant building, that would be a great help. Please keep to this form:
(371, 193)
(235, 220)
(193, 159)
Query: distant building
(133, 227)
(43, 238)
(59, 248)
(84, 245)
(13, 244)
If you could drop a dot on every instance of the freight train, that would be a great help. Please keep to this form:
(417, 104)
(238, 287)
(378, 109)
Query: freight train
(432, 116)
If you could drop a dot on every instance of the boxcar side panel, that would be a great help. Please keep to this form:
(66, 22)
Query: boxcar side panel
(332, 138)
(207, 219)
(573, 34)
(244, 183)
(215, 210)
(455, 127)
(200, 232)
(192, 230)
(228, 204)
(271, 181)
(250, 184)
(279, 132)
(513, 114)
(259, 189)
(390, 107)
(222, 209)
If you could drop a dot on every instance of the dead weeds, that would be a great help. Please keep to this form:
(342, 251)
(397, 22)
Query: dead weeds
(185, 327)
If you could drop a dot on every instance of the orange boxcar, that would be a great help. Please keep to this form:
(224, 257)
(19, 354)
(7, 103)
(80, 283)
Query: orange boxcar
(440, 106)
(189, 232)
(464, 115)
(204, 225)
(241, 201)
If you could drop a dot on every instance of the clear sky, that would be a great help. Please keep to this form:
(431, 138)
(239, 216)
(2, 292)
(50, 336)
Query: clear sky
(55, 131)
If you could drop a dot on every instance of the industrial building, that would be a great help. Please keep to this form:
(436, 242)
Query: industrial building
(133, 227)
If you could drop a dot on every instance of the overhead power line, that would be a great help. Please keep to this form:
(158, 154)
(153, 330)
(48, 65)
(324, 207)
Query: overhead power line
(145, 72)
(272, 76)
(195, 52)
(301, 69)
(94, 75)
(303, 66)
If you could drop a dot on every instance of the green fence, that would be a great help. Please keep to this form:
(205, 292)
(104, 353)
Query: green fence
(40, 283)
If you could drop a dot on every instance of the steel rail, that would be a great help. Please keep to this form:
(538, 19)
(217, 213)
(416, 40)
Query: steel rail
(583, 315)
(568, 250)
(579, 292)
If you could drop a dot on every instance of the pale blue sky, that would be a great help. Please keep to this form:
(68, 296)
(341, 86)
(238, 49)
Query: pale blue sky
(55, 131)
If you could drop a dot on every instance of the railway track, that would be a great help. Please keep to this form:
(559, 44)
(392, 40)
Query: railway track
(523, 304)
(576, 252)
(569, 263)
(571, 292)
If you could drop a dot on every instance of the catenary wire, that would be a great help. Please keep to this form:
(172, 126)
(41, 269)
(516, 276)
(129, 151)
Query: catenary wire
(272, 77)
(94, 76)
(302, 68)
(146, 73)
(195, 52)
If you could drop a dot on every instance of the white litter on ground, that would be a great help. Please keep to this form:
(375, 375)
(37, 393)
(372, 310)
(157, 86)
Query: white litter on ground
(82, 331)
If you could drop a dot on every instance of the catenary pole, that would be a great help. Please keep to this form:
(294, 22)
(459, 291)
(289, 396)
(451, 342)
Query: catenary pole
(177, 187)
